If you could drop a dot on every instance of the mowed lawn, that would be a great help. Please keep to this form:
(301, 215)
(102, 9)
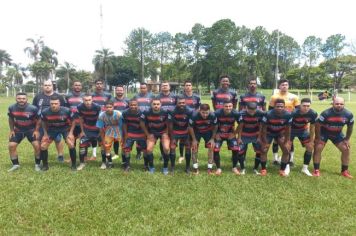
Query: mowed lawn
(100, 202)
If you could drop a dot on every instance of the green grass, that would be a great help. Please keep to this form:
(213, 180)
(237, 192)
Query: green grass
(108, 202)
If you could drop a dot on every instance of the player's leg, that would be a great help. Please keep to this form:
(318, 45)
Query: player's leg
(181, 151)
(12, 146)
(150, 146)
(83, 151)
(60, 147)
(264, 150)
(45, 142)
(36, 149)
(318, 148)
(216, 156)
(345, 157)
(309, 146)
(165, 148)
(285, 156)
(72, 152)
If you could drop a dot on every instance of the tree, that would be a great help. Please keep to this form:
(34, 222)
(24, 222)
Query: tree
(35, 49)
(41, 71)
(66, 71)
(162, 44)
(103, 63)
(311, 52)
(5, 59)
(125, 71)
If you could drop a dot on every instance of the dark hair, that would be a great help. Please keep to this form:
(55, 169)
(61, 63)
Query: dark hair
(180, 98)
(143, 83)
(54, 97)
(252, 78)
(155, 99)
(281, 81)
(76, 81)
(119, 86)
(110, 102)
(133, 100)
(188, 82)
(224, 76)
(21, 94)
(279, 100)
(164, 82)
(227, 101)
(87, 95)
(251, 105)
(99, 80)
(305, 100)
(204, 107)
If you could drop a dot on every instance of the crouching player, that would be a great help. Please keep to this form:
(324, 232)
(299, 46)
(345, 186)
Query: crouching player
(276, 125)
(56, 120)
(178, 129)
(109, 122)
(23, 122)
(203, 124)
(249, 131)
(226, 119)
(303, 128)
(154, 123)
(88, 113)
(132, 132)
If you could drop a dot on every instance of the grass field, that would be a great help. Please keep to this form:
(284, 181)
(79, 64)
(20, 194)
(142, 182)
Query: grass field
(108, 202)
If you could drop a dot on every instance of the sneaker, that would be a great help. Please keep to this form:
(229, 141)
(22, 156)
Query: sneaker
(235, 171)
(347, 174)
(172, 171)
(316, 173)
(180, 160)
(73, 167)
(13, 168)
(60, 159)
(243, 172)
(263, 172)
(81, 166)
(255, 171)
(115, 157)
(195, 171)
(187, 171)
(165, 171)
(210, 172)
(138, 156)
(37, 167)
(103, 166)
(151, 170)
(45, 167)
(306, 172)
(218, 172)
(287, 170)
(282, 173)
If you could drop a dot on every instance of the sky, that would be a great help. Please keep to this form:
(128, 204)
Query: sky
(73, 27)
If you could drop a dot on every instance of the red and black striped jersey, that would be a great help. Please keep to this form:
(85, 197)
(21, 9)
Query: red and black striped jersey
(180, 120)
(156, 122)
(226, 122)
(257, 98)
(73, 100)
(193, 101)
(24, 118)
(277, 123)
(300, 121)
(332, 122)
(144, 101)
(57, 121)
(251, 123)
(220, 96)
(120, 104)
(42, 101)
(201, 125)
(101, 99)
(132, 121)
(168, 102)
(89, 116)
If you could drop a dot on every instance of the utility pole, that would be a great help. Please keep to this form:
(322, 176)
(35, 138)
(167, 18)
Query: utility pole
(276, 70)
(142, 62)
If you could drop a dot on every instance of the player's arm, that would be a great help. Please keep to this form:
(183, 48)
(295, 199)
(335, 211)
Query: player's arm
(348, 134)
(287, 134)
(312, 132)
(11, 125)
(44, 127)
(124, 130)
(81, 124)
(234, 102)
(144, 128)
(317, 131)
(239, 131)
(271, 103)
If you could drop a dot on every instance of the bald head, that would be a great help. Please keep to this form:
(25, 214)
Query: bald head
(48, 87)
(338, 103)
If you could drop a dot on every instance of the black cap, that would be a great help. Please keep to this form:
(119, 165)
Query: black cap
(252, 105)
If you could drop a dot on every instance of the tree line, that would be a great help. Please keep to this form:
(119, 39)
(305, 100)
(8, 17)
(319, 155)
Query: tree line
(201, 55)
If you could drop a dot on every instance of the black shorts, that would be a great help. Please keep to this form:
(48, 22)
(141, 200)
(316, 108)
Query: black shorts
(19, 136)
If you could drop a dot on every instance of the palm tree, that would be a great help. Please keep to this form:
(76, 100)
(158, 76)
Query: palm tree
(5, 59)
(41, 70)
(34, 51)
(68, 69)
(50, 56)
(103, 63)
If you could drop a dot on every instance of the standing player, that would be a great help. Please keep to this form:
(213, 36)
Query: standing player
(192, 101)
(203, 124)
(291, 102)
(276, 125)
(121, 103)
(88, 113)
(108, 123)
(144, 100)
(329, 126)
(167, 98)
(252, 96)
(132, 132)
(23, 118)
(226, 118)
(56, 120)
(249, 131)
(154, 123)
(224, 94)
(42, 101)
(303, 128)
(100, 97)
(178, 129)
